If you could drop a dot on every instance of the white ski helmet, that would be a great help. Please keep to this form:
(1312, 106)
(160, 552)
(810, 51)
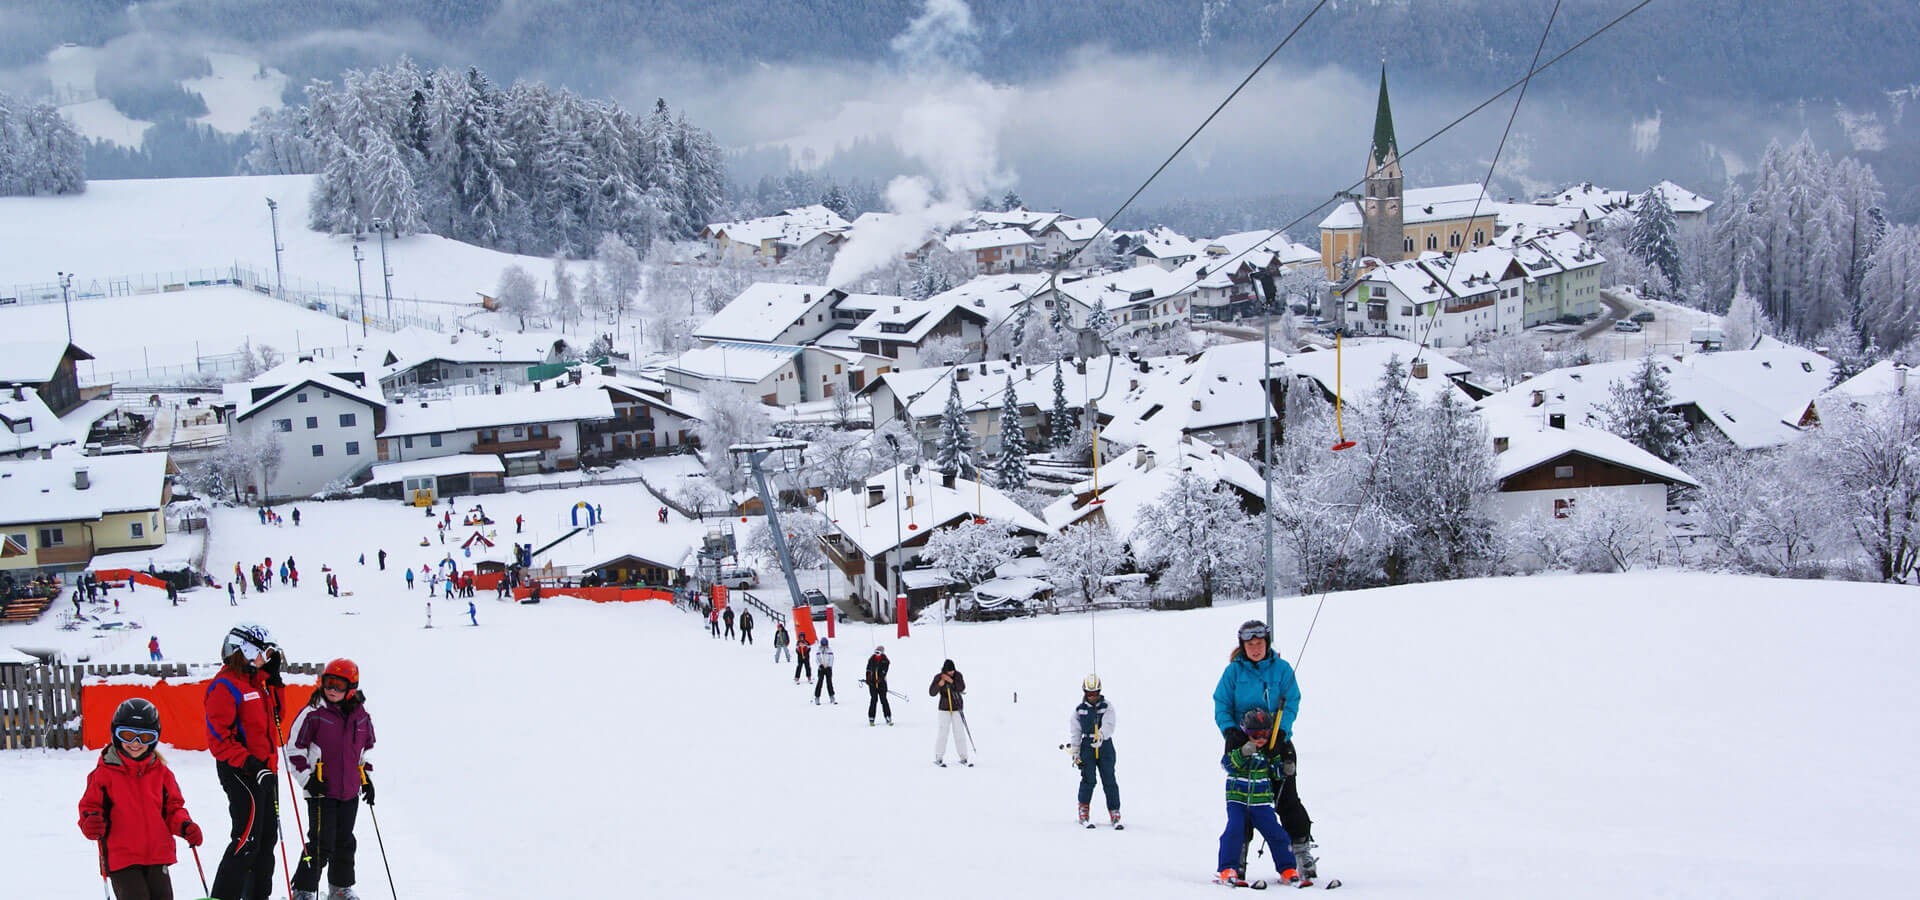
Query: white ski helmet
(1091, 685)
(248, 639)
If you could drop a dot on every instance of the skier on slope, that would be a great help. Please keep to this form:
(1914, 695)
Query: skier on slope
(1257, 678)
(727, 617)
(1250, 775)
(803, 648)
(950, 687)
(1090, 734)
(746, 626)
(327, 750)
(242, 709)
(133, 806)
(781, 639)
(876, 680)
(826, 675)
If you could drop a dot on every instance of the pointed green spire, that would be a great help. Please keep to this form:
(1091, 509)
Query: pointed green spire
(1383, 142)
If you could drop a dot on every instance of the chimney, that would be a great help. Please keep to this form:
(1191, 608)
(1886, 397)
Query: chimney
(808, 298)
(947, 479)
(962, 374)
(876, 494)
(1419, 368)
(1196, 405)
(1133, 384)
(1899, 379)
(1539, 397)
(1500, 445)
(1148, 459)
(1557, 420)
(896, 309)
(80, 480)
(17, 395)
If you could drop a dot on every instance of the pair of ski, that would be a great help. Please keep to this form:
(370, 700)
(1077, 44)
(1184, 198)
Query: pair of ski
(1260, 884)
(1117, 826)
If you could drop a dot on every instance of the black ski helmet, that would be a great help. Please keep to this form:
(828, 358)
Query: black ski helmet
(1257, 721)
(137, 712)
(1254, 628)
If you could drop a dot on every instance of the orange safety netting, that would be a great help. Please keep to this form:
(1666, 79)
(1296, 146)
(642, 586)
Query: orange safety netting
(597, 595)
(183, 711)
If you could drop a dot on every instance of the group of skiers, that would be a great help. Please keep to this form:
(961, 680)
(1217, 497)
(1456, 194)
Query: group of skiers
(133, 809)
(718, 618)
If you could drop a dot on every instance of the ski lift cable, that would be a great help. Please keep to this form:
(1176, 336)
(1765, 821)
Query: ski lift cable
(1535, 70)
(1395, 404)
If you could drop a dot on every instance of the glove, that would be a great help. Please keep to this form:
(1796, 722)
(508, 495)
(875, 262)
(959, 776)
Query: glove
(94, 826)
(1235, 737)
(256, 771)
(274, 659)
(317, 785)
(1287, 768)
(191, 832)
(366, 785)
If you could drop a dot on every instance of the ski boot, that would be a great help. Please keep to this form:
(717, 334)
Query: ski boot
(816, 701)
(305, 895)
(1229, 876)
(889, 720)
(1291, 878)
(1084, 823)
(1305, 861)
(342, 893)
(941, 763)
(1113, 818)
(870, 723)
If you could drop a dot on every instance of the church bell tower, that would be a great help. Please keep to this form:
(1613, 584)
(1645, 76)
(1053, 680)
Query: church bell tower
(1383, 233)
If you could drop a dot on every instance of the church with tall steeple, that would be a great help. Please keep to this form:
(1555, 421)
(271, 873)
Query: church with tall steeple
(1387, 223)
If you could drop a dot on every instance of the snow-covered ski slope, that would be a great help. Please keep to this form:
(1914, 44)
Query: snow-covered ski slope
(1647, 734)
(140, 226)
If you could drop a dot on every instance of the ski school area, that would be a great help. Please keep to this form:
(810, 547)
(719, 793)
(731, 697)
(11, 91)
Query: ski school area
(1683, 734)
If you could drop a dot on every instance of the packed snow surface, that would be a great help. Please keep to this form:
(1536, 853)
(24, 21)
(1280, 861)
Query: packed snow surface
(1670, 734)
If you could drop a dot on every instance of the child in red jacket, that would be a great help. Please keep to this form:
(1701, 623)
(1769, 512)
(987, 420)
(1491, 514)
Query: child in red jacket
(133, 807)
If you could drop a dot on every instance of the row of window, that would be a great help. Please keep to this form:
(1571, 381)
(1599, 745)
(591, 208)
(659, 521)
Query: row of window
(347, 420)
(57, 537)
(353, 449)
(1453, 240)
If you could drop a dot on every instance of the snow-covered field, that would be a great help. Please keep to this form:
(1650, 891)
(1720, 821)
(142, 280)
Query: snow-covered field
(1669, 734)
(140, 226)
(238, 88)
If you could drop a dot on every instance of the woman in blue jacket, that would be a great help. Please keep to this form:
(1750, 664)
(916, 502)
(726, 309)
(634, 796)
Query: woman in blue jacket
(1256, 678)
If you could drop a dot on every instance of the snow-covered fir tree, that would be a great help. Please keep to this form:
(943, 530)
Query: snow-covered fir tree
(1891, 285)
(1198, 541)
(1638, 408)
(836, 199)
(1011, 467)
(1060, 423)
(1011, 201)
(40, 151)
(1844, 347)
(953, 455)
(1654, 236)
(1099, 322)
(1745, 322)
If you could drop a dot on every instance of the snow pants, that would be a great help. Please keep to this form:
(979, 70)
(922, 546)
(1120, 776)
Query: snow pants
(826, 681)
(780, 653)
(330, 844)
(1098, 762)
(949, 724)
(746, 634)
(246, 868)
(804, 665)
(1240, 818)
(142, 883)
(1293, 814)
(877, 696)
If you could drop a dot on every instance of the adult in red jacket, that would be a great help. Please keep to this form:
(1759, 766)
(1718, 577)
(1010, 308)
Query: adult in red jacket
(133, 807)
(243, 706)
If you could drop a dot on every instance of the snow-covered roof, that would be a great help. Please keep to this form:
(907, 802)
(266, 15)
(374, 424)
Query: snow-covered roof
(33, 362)
(27, 424)
(910, 321)
(1570, 251)
(1074, 229)
(1261, 247)
(1002, 293)
(967, 241)
(1596, 202)
(412, 345)
(43, 490)
(1532, 217)
(1140, 284)
(1684, 202)
(1422, 205)
(492, 410)
(457, 464)
(1132, 481)
(1754, 397)
(734, 361)
(1028, 220)
(1358, 365)
(1531, 442)
(924, 391)
(795, 226)
(1219, 387)
(1878, 380)
(871, 528)
(1165, 243)
(762, 312)
(272, 385)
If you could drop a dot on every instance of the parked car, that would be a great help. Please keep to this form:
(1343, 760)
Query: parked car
(816, 603)
(1645, 315)
(1627, 325)
(1570, 319)
(740, 577)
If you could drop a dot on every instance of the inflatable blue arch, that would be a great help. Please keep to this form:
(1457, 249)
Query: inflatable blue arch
(586, 511)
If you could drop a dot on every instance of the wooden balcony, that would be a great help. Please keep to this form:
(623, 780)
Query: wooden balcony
(844, 556)
(545, 443)
(66, 554)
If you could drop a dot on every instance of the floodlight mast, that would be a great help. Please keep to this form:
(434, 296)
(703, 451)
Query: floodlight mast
(754, 454)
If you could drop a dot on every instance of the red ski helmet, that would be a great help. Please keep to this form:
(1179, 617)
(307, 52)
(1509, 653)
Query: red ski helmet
(344, 669)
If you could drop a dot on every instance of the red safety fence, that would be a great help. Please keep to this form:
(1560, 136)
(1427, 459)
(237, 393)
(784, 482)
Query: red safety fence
(183, 716)
(121, 575)
(597, 594)
(487, 581)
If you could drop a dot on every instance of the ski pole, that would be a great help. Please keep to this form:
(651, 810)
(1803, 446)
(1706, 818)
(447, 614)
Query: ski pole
(201, 869)
(903, 697)
(383, 849)
(104, 890)
(968, 729)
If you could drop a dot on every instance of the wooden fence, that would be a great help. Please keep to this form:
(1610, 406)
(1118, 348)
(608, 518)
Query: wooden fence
(40, 704)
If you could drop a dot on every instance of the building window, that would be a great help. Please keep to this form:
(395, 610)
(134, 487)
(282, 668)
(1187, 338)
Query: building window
(407, 442)
(1479, 237)
(1453, 241)
(1409, 244)
(53, 537)
(1563, 471)
(283, 424)
(1562, 508)
(319, 450)
(346, 420)
(353, 448)
(313, 421)
(433, 440)
(300, 397)
(1433, 242)
(519, 431)
(137, 529)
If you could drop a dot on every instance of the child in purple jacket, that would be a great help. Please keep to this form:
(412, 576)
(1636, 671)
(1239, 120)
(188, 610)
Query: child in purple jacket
(327, 751)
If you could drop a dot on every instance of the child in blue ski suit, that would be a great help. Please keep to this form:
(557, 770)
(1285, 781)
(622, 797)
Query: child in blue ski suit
(1250, 791)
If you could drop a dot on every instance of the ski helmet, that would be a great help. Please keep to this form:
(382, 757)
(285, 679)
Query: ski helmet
(1091, 685)
(137, 712)
(1254, 628)
(247, 638)
(344, 669)
(879, 650)
(1257, 722)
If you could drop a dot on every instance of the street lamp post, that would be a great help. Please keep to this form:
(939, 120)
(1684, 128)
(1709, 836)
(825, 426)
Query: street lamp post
(386, 271)
(279, 277)
(66, 300)
(358, 258)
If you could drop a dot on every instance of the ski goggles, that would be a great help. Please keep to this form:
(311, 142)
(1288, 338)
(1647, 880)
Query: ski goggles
(1255, 630)
(136, 735)
(335, 683)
